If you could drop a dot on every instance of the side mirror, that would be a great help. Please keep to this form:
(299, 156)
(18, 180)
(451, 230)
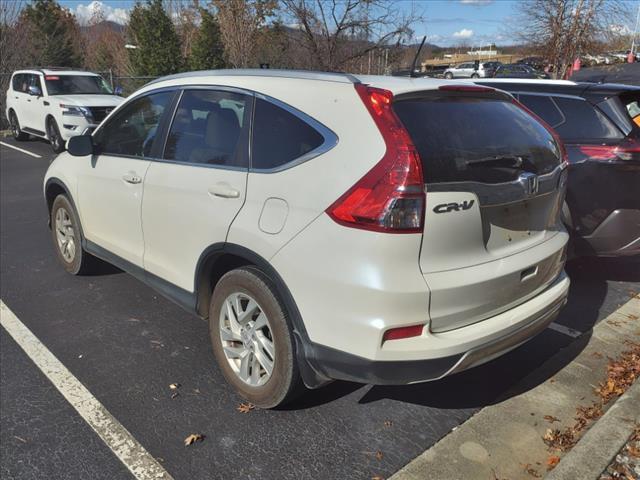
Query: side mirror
(80, 146)
(34, 91)
(118, 91)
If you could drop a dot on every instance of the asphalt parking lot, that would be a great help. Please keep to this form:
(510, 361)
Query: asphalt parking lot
(127, 344)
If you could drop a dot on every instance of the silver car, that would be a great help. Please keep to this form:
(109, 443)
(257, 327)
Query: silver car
(467, 70)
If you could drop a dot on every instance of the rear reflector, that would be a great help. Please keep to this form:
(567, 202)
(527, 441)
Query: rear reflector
(390, 197)
(403, 332)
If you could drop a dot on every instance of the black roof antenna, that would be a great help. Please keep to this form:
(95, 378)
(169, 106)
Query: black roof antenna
(412, 74)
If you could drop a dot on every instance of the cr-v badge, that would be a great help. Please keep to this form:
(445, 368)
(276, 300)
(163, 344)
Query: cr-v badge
(453, 207)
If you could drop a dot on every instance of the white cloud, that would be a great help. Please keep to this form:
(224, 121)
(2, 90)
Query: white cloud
(84, 13)
(464, 33)
(476, 2)
(620, 29)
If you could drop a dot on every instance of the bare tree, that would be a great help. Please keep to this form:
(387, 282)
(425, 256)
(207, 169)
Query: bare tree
(14, 36)
(350, 34)
(240, 21)
(562, 29)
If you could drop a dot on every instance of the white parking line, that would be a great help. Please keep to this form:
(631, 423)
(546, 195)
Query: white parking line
(21, 150)
(566, 330)
(133, 455)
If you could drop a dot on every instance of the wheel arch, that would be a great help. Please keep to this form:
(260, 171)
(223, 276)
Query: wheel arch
(220, 258)
(54, 187)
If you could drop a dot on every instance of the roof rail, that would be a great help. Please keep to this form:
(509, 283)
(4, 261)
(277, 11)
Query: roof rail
(48, 68)
(265, 72)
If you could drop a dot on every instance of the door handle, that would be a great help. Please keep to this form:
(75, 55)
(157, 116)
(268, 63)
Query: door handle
(132, 178)
(224, 190)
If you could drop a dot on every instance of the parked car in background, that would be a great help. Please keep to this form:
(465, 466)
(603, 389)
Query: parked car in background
(518, 71)
(537, 63)
(600, 127)
(469, 70)
(57, 104)
(383, 230)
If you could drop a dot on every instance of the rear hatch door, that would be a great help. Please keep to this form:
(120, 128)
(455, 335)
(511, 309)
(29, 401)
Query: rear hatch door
(495, 185)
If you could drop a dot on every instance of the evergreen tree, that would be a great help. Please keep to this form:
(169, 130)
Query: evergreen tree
(54, 34)
(207, 51)
(153, 33)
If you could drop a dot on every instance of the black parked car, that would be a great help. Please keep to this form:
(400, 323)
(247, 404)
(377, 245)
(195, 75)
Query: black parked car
(600, 126)
(518, 71)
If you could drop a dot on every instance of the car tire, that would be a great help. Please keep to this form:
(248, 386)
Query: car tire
(17, 133)
(53, 132)
(67, 238)
(448, 75)
(256, 354)
(475, 75)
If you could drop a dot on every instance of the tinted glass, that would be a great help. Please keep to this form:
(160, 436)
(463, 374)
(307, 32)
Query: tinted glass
(19, 82)
(76, 85)
(207, 128)
(583, 121)
(280, 137)
(133, 129)
(461, 138)
(544, 108)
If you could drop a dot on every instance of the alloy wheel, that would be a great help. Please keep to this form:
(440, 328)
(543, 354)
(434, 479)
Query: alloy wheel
(65, 235)
(247, 339)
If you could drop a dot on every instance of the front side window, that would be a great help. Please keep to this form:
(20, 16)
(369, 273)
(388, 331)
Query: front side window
(280, 137)
(209, 127)
(77, 85)
(133, 129)
(18, 79)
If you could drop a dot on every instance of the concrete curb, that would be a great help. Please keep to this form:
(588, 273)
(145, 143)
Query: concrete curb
(505, 440)
(595, 450)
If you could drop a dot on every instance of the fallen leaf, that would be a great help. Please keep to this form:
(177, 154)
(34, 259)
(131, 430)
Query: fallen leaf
(531, 471)
(377, 477)
(388, 423)
(175, 394)
(596, 354)
(551, 418)
(552, 461)
(245, 407)
(20, 438)
(174, 386)
(193, 438)
(379, 455)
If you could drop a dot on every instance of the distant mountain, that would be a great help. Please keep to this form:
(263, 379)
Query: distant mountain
(116, 27)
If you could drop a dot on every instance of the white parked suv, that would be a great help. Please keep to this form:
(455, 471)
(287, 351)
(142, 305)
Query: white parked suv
(57, 104)
(382, 230)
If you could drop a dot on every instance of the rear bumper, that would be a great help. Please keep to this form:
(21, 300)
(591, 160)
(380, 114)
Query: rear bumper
(449, 352)
(617, 235)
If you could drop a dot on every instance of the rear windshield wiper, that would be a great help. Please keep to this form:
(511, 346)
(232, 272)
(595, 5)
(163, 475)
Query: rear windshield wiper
(505, 161)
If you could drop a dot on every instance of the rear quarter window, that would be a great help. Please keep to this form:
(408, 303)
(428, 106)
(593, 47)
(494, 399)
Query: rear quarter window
(456, 135)
(280, 137)
(544, 107)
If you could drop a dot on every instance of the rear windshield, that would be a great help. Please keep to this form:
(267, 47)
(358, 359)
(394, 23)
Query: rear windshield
(489, 140)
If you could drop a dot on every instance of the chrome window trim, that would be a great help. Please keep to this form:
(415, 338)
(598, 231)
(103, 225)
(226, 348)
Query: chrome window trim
(493, 194)
(330, 138)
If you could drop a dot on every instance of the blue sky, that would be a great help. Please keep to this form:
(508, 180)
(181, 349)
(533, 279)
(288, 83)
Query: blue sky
(447, 22)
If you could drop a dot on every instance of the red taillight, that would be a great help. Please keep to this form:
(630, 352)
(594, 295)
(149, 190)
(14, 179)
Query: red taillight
(403, 332)
(625, 151)
(390, 197)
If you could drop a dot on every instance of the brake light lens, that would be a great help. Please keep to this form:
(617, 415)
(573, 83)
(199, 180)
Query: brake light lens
(403, 332)
(625, 151)
(390, 197)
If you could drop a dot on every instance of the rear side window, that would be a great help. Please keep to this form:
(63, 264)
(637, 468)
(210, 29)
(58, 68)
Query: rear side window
(207, 129)
(489, 140)
(583, 121)
(280, 137)
(543, 107)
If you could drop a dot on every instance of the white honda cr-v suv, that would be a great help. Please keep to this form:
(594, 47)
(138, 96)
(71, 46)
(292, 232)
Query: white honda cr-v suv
(329, 226)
